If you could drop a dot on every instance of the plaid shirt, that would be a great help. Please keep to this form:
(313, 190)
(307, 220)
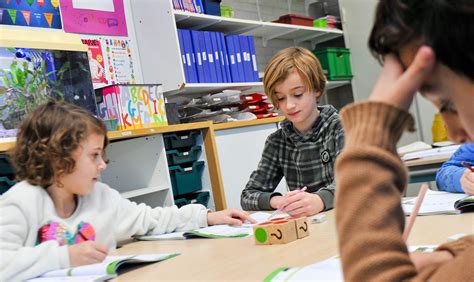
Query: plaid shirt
(303, 160)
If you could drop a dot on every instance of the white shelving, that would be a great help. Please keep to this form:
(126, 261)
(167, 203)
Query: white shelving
(156, 24)
(143, 191)
(266, 30)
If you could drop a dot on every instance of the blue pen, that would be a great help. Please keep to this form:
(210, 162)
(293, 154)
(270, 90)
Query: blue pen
(280, 209)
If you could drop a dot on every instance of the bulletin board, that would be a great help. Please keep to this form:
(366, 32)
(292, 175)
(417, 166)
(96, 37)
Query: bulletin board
(102, 17)
(33, 13)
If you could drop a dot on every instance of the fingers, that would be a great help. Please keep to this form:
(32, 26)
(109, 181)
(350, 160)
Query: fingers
(243, 216)
(412, 79)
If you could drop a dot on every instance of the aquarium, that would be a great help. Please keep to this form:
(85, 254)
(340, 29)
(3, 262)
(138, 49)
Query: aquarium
(30, 77)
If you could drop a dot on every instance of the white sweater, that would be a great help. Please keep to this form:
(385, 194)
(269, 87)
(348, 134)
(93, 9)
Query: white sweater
(25, 208)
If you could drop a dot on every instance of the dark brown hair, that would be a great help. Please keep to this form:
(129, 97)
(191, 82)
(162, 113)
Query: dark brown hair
(47, 138)
(445, 25)
(293, 58)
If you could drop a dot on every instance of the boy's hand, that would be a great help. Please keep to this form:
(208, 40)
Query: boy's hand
(397, 86)
(422, 260)
(298, 203)
(229, 216)
(467, 182)
(86, 253)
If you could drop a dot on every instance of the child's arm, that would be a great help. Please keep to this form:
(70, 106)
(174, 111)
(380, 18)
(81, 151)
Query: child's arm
(139, 219)
(20, 262)
(263, 181)
(448, 177)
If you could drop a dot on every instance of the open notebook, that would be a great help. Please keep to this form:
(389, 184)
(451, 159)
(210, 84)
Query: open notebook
(216, 231)
(326, 270)
(435, 202)
(101, 271)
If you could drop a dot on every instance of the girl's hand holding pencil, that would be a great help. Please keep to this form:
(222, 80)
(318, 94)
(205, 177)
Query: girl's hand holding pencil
(467, 179)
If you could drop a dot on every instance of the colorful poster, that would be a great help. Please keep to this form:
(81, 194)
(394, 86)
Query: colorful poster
(133, 106)
(96, 62)
(104, 17)
(21, 12)
(118, 57)
(111, 60)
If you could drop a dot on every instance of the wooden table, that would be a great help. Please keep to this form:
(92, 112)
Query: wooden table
(241, 259)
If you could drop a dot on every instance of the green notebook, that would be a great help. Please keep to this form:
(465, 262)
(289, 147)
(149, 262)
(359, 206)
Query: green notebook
(101, 271)
(214, 232)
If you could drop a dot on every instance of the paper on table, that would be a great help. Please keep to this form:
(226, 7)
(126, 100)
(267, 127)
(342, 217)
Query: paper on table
(435, 202)
(437, 152)
(326, 270)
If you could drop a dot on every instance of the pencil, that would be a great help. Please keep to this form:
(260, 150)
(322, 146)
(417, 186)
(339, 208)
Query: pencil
(280, 209)
(414, 212)
(465, 164)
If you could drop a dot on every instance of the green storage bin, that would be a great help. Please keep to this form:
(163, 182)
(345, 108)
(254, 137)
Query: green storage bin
(176, 157)
(5, 184)
(193, 198)
(180, 139)
(185, 180)
(181, 202)
(335, 63)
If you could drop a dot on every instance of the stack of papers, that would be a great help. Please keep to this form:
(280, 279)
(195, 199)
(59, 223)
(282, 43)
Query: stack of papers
(437, 152)
(326, 270)
(435, 202)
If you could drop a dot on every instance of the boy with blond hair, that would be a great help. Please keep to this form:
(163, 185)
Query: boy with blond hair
(305, 148)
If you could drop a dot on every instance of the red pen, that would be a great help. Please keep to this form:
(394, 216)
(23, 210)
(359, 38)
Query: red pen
(465, 164)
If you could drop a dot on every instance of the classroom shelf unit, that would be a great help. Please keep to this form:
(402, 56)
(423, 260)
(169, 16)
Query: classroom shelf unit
(266, 30)
(156, 24)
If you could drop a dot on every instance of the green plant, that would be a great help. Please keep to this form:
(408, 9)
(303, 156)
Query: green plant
(28, 85)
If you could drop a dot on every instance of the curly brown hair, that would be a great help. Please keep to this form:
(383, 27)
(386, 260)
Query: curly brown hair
(293, 58)
(47, 138)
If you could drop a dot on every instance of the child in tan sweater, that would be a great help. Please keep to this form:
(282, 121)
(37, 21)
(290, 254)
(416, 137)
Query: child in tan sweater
(425, 46)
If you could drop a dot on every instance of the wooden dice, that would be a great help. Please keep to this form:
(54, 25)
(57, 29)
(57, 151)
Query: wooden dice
(281, 231)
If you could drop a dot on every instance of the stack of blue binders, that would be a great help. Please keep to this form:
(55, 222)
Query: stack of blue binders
(211, 57)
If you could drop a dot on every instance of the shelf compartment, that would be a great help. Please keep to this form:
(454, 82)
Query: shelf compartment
(143, 191)
(210, 88)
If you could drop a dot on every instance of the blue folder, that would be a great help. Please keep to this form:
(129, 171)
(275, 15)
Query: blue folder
(253, 57)
(183, 54)
(210, 57)
(239, 58)
(217, 57)
(205, 61)
(197, 54)
(234, 70)
(190, 61)
(226, 58)
(246, 60)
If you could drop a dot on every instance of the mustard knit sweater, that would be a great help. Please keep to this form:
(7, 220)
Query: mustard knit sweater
(370, 178)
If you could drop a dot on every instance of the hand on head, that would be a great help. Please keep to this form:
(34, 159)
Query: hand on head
(397, 86)
(87, 252)
(229, 216)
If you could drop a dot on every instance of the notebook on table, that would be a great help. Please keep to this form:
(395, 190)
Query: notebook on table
(105, 270)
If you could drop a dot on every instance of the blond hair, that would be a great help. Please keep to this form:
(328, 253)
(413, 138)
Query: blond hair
(293, 58)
